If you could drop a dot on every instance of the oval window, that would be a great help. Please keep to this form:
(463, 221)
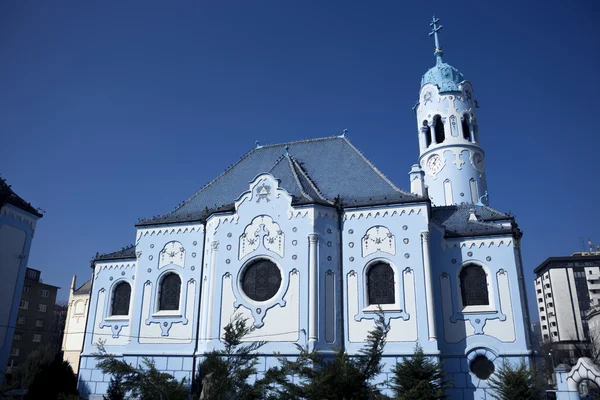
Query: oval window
(261, 280)
(482, 367)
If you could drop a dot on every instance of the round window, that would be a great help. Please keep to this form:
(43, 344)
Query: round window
(482, 367)
(261, 280)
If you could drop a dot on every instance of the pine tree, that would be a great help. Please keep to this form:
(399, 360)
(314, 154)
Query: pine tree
(315, 377)
(53, 381)
(515, 382)
(115, 389)
(145, 382)
(224, 373)
(419, 378)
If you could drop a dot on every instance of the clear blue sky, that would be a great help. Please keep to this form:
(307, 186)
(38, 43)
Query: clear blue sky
(115, 110)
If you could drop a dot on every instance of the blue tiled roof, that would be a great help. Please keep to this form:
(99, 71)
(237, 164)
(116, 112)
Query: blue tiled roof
(316, 170)
(445, 76)
(126, 252)
(455, 220)
(8, 196)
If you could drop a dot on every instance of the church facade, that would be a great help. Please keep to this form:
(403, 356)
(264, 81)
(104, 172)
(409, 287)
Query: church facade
(308, 239)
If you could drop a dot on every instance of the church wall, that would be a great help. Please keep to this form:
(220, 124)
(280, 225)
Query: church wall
(391, 234)
(75, 328)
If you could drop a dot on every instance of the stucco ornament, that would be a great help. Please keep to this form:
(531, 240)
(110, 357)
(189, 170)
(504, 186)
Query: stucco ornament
(262, 230)
(378, 238)
(172, 253)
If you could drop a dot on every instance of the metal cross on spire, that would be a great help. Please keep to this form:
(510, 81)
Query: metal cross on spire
(434, 32)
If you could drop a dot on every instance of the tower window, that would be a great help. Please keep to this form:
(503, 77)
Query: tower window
(380, 284)
(170, 288)
(473, 286)
(427, 131)
(440, 134)
(465, 127)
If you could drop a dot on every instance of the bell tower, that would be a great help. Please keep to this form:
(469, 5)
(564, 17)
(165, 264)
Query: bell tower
(451, 160)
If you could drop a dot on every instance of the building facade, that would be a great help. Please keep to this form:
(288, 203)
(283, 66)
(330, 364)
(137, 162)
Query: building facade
(568, 294)
(307, 239)
(75, 323)
(18, 220)
(35, 318)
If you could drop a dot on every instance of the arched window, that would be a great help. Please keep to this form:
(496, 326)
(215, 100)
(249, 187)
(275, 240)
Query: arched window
(440, 134)
(170, 288)
(380, 284)
(427, 131)
(473, 286)
(261, 280)
(120, 300)
(466, 127)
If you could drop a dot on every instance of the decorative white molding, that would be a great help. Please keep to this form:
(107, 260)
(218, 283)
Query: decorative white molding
(262, 230)
(394, 212)
(18, 214)
(378, 238)
(173, 253)
(170, 230)
(475, 243)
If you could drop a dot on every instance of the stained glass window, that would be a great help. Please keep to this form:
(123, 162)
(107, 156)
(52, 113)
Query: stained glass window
(121, 297)
(473, 286)
(482, 367)
(170, 288)
(380, 283)
(261, 280)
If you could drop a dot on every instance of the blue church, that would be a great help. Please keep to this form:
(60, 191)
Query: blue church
(307, 239)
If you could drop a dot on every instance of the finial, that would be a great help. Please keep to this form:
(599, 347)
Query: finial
(258, 146)
(287, 150)
(434, 32)
(480, 202)
(343, 135)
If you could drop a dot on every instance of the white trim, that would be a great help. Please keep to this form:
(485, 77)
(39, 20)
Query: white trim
(491, 307)
(385, 307)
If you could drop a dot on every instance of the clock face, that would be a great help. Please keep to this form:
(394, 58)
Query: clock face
(478, 161)
(434, 164)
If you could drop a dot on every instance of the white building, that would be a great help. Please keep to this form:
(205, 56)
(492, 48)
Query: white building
(17, 225)
(566, 289)
(76, 322)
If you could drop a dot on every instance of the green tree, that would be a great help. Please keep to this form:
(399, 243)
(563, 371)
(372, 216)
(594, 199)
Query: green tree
(313, 376)
(224, 374)
(24, 375)
(145, 382)
(53, 381)
(115, 389)
(512, 382)
(419, 378)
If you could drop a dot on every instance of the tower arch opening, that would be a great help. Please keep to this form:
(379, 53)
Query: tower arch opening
(438, 127)
(427, 129)
(466, 128)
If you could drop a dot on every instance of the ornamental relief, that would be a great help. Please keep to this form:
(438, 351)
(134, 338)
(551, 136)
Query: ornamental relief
(378, 238)
(262, 230)
(172, 253)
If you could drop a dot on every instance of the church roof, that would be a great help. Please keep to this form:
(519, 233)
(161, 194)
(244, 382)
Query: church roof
(84, 289)
(312, 171)
(458, 221)
(124, 253)
(445, 76)
(8, 196)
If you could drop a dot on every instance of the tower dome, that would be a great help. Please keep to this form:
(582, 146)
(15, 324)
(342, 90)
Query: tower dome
(445, 76)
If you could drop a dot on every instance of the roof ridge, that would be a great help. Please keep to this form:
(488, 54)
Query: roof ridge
(299, 141)
(295, 174)
(377, 171)
(296, 165)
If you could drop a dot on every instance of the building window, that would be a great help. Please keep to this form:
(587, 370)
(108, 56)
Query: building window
(26, 289)
(553, 323)
(17, 336)
(121, 297)
(45, 293)
(539, 291)
(482, 367)
(170, 288)
(261, 280)
(448, 192)
(42, 307)
(39, 323)
(24, 305)
(32, 274)
(427, 131)
(540, 300)
(544, 327)
(15, 352)
(21, 320)
(543, 318)
(550, 304)
(541, 308)
(473, 286)
(555, 333)
(380, 284)
(37, 337)
(546, 336)
(438, 127)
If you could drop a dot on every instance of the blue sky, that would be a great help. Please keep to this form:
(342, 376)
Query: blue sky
(112, 111)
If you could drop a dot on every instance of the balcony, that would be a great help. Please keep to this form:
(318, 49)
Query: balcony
(593, 277)
(594, 285)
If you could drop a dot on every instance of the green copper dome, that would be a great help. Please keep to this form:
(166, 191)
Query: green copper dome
(445, 76)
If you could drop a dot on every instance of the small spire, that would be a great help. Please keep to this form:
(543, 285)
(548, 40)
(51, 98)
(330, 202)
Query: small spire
(287, 150)
(258, 146)
(434, 32)
(344, 132)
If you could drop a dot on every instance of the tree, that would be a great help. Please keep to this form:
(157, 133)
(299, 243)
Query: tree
(34, 363)
(515, 382)
(419, 378)
(54, 381)
(314, 377)
(224, 373)
(115, 389)
(145, 382)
